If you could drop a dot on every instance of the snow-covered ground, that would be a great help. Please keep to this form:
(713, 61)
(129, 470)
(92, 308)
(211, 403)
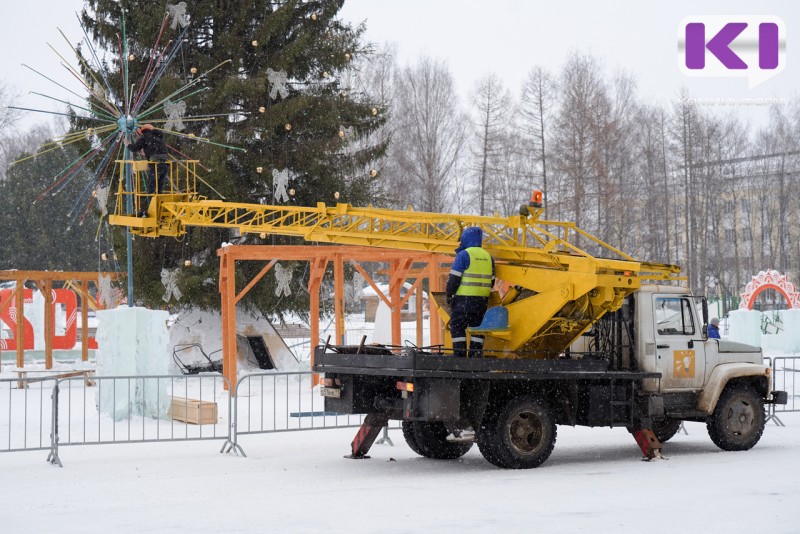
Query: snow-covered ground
(300, 482)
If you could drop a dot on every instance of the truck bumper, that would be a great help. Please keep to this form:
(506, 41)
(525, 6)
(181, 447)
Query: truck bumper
(778, 397)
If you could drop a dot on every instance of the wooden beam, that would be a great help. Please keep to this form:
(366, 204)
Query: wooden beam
(20, 305)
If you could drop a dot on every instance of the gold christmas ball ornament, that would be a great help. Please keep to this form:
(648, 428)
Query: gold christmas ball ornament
(193, 70)
(341, 134)
(94, 193)
(104, 256)
(292, 192)
(288, 127)
(254, 43)
(336, 195)
(262, 109)
(131, 57)
(187, 263)
(262, 235)
(347, 56)
(259, 170)
(325, 74)
(373, 173)
(374, 111)
(313, 16)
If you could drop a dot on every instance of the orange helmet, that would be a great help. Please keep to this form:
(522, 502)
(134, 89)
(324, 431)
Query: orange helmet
(144, 127)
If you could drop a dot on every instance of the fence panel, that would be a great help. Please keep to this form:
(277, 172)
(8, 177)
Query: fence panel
(128, 409)
(25, 413)
(284, 402)
(785, 370)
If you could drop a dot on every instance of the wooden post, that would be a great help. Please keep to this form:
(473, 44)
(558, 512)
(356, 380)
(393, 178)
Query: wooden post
(434, 283)
(227, 289)
(418, 315)
(20, 305)
(318, 266)
(338, 298)
(394, 296)
(49, 323)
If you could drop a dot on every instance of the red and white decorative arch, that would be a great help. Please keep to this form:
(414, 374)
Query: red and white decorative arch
(769, 280)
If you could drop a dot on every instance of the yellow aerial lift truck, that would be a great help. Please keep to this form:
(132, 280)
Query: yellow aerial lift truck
(575, 338)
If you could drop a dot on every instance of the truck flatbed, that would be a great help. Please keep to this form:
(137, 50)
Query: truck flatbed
(415, 363)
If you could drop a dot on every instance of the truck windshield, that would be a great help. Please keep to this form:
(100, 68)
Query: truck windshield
(674, 317)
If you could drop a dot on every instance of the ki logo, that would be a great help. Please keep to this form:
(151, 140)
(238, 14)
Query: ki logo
(746, 46)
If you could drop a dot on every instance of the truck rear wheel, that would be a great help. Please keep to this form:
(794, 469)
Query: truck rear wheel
(519, 435)
(411, 439)
(666, 428)
(738, 420)
(431, 441)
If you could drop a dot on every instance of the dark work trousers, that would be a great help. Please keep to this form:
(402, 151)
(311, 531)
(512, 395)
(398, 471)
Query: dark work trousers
(467, 312)
(160, 169)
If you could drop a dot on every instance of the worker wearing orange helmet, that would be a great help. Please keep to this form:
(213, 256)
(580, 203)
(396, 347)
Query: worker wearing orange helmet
(151, 142)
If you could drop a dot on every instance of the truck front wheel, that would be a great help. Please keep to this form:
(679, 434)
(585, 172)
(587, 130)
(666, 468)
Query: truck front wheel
(738, 420)
(519, 435)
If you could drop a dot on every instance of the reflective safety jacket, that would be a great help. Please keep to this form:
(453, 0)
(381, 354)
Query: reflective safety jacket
(477, 279)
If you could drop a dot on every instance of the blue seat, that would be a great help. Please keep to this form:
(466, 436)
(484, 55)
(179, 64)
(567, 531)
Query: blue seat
(495, 318)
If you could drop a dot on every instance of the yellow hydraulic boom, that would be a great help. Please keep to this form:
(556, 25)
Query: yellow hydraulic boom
(557, 290)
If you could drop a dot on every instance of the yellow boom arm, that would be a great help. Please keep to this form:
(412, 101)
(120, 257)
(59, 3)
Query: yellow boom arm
(558, 290)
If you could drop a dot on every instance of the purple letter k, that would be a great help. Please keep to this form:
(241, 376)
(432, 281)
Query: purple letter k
(718, 45)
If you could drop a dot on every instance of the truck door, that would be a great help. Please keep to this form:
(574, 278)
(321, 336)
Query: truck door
(680, 351)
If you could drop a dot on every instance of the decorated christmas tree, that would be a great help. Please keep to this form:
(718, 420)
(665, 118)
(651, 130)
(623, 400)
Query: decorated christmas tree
(264, 94)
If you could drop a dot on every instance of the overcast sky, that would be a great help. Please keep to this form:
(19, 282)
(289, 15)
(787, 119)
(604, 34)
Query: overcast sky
(506, 37)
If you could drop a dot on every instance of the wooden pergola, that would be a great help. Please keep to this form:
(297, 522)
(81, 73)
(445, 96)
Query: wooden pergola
(44, 280)
(401, 267)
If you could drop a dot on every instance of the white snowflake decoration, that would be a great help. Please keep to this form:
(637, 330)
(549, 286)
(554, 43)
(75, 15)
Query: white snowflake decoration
(170, 281)
(280, 181)
(106, 291)
(283, 277)
(102, 199)
(178, 14)
(175, 112)
(277, 80)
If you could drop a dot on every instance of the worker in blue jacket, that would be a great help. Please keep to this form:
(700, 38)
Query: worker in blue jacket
(713, 329)
(468, 288)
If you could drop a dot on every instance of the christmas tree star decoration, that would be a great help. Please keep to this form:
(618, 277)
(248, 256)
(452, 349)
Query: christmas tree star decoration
(175, 112)
(277, 80)
(178, 14)
(118, 112)
(283, 277)
(280, 181)
(170, 281)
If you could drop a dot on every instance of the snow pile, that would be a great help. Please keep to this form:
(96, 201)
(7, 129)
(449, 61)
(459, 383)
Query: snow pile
(745, 327)
(787, 340)
(134, 341)
(204, 330)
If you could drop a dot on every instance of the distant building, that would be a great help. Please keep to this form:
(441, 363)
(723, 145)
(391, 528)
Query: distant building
(407, 313)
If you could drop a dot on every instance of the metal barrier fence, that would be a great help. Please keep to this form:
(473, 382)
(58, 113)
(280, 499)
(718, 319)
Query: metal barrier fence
(139, 409)
(283, 402)
(26, 423)
(785, 369)
(51, 413)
